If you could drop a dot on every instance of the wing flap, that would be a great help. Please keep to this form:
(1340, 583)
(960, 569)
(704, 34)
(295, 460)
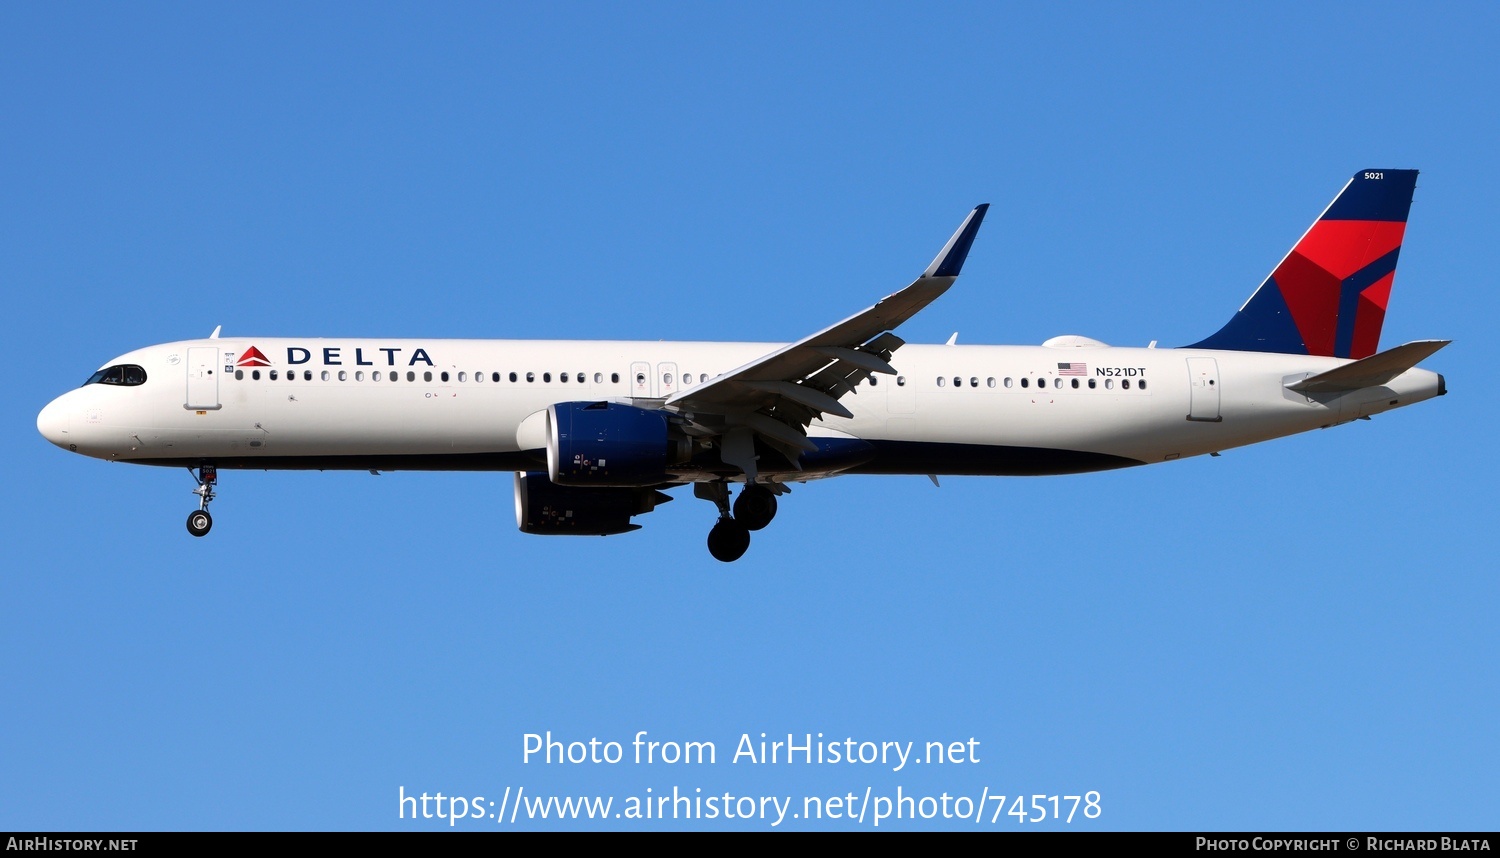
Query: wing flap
(802, 394)
(857, 359)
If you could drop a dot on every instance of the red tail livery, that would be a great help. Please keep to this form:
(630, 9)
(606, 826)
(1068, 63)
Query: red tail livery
(1328, 296)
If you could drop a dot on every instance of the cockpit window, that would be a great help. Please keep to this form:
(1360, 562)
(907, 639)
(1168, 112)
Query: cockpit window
(126, 374)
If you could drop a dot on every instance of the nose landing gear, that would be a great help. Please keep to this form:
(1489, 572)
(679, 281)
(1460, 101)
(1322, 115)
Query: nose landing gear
(199, 521)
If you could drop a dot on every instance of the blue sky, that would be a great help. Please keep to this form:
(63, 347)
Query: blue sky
(1298, 635)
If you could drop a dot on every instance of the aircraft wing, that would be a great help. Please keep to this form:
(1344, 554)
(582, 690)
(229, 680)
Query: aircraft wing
(776, 396)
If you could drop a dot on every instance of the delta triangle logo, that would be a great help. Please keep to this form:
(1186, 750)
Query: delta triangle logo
(252, 357)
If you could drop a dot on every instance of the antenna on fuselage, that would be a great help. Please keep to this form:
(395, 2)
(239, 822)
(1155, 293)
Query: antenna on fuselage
(215, 334)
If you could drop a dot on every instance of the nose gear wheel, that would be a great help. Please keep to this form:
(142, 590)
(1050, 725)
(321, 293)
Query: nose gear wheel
(199, 521)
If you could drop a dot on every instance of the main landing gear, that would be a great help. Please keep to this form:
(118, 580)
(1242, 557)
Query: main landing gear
(199, 521)
(755, 507)
(753, 510)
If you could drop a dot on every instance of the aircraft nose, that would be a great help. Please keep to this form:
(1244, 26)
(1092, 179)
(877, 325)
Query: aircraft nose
(54, 422)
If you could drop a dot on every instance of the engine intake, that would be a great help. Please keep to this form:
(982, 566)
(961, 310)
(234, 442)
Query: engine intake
(610, 444)
(552, 510)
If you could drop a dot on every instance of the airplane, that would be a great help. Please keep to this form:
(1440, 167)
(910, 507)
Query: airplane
(597, 431)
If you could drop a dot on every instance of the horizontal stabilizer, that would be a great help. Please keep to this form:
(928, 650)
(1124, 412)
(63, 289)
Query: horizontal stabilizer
(1372, 371)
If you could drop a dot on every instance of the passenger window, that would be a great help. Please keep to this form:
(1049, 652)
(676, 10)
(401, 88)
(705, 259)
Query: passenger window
(255, 375)
(239, 375)
(563, 378)
(900, 381)
(1075, 384)
(702, 377)
(427, 376)
(598, 378)
(640, 378)
(614, 378)
(1092, 384)
(411, 376)
(375, 376)
(942, 381)
(273, 375)
(1143, 384)
(463, 377)
(974, 382)
(990, 381)
(1007, 381)
(359, 375)
(307, 375)
(582, 379)
(1025, 382)
(1125, 383)
(666, 378)
(958, 382)
(343, 375)
(547, 377)
(530, 377)
(1057, 383)
(1109, 384)
(512, 377)
(874, 381)
(445, 375)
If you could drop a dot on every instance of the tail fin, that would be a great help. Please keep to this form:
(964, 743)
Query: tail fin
(1328, 296)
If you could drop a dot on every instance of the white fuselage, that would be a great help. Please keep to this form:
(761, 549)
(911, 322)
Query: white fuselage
(461, 404)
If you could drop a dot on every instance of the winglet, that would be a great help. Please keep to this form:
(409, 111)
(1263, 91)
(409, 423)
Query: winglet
(950, 260)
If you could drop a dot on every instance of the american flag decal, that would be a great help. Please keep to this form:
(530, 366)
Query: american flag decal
(1072, 369)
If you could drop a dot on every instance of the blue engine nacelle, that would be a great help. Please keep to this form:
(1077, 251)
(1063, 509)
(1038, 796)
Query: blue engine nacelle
(553, 510)
(610, 444)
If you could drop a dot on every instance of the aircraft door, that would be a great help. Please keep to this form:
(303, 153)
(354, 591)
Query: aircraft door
(1203, 375)
(666, 373)
(640, 380)
(202, 379)
(901, 394)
